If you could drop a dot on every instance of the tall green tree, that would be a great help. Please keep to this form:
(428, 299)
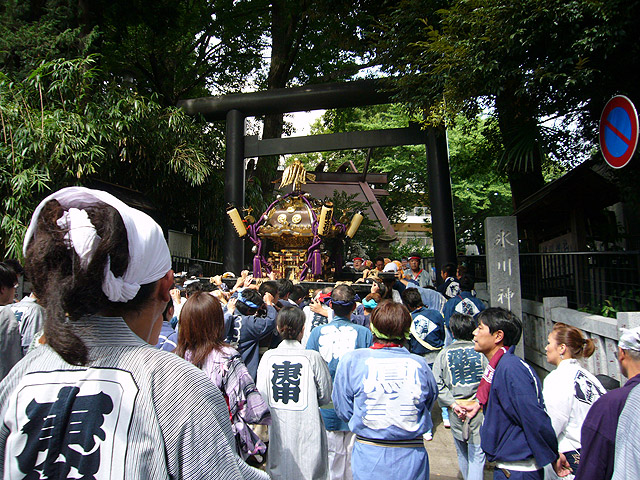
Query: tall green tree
(36, 31)
(180, 49)
(308, 45)
(526, 61)
(479, 188)
(114, 114)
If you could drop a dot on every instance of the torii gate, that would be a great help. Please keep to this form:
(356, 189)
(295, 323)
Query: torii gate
(234, 108)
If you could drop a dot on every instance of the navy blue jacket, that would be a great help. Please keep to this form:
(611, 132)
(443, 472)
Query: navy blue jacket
(429, 325)
(516, 425)
(247, 331)
(450, 307)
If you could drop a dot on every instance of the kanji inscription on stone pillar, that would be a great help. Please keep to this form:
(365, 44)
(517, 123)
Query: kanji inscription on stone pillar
(503, 266)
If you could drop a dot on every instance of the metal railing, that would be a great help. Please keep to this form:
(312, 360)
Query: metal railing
(593, 280)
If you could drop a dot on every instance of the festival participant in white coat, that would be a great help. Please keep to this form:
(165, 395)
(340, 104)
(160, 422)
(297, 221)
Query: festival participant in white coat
(97, 400)
(295, 382)
(569, 390)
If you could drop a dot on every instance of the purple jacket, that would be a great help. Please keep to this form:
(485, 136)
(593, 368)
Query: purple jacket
(598, 434)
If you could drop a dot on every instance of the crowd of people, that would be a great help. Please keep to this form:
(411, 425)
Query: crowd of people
(264, 379)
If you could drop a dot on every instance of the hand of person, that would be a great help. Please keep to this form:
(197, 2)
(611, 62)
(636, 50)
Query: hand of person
(561, 466)
(239, 282)
(319, 308)
(231, 305)
(375, 288)
(460, 411)
(175, 295)
(247, 281)
(219, 294)
(268, 298)
(272, 275)
(244, 273)
(472, 411)
(217, 280)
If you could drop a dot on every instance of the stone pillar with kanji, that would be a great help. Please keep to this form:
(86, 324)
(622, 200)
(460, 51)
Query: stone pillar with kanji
(503, 267)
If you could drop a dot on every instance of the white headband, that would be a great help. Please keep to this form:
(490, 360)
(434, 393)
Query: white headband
(390, 267)
(149, 257)
(630, 339)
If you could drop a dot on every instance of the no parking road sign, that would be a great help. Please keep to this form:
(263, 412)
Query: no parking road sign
(618, 131)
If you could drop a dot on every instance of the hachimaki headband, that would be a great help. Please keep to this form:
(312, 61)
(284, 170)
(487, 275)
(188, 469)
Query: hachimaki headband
(149, 257)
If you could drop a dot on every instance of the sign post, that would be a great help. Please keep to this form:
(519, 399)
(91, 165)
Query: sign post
(618, 131)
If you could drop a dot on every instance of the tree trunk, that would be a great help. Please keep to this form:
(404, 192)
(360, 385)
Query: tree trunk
(288, 25)
(523, 150)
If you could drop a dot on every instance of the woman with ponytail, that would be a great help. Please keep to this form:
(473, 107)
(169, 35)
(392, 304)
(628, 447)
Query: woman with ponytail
(96, 400)
(569, 390)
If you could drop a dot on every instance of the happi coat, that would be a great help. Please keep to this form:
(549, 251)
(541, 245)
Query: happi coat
(10, 341)
(30, 317)
(598, 434)
(627, 454)
(569, 391)
(246, 331)
(333, 340)
(225, 369)
(458, 370)
(427, 333)
(422, 278)
(134, 413)
(386, 394)
(294, 382)
(430, 298)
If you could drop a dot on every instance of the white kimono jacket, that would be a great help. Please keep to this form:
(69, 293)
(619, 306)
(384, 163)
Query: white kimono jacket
(134, 413)
(569, 391)
(295, 382)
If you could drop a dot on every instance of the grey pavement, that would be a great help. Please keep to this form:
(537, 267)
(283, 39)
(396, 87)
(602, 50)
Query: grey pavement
(443, 460)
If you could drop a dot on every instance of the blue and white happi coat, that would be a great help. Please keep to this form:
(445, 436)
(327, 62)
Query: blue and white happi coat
(386, 394)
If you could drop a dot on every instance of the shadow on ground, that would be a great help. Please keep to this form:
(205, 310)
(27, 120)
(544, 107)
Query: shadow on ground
(443, 461)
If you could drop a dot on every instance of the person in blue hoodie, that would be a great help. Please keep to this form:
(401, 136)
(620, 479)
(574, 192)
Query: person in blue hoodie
(517, 433)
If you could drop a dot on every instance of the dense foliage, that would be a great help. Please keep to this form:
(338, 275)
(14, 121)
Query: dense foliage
(87, 92)
(525, 62)
(62, 125)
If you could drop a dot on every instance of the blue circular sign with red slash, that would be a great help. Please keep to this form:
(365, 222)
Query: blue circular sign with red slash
(618, 131)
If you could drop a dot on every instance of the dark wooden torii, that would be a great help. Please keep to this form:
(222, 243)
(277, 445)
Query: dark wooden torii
(234, 108)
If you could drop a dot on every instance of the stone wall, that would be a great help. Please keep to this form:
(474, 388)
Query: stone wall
(539, 318)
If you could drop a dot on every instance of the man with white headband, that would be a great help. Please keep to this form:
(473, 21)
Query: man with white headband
(598, 436)
(96, 400)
